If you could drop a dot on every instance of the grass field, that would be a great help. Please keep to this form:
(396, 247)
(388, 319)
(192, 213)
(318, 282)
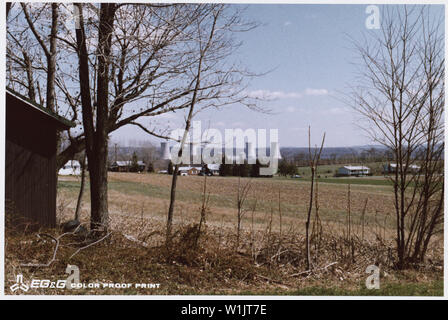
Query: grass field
(269, 259)
(330, 170)
(371, 180)
(148, 194)
(358, 181)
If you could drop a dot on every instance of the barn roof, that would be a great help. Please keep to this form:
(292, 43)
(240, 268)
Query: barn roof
(52, 115)
(189, 168)
(356, 168)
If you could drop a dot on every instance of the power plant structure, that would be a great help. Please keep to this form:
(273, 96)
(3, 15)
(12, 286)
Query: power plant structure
(249, 153)
(165, 151)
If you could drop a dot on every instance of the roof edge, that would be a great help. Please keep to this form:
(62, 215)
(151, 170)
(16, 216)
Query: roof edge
(40, 108)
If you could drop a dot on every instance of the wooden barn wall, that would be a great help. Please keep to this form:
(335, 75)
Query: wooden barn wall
(30, 164)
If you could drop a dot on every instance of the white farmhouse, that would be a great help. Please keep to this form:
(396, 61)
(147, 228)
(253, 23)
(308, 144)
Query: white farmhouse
(353, 171)
(71, 168)
(189, 171)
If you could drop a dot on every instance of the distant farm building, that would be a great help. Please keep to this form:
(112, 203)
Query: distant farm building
(189, 171)
(353, 171)
(392, 167)
(71, 168)
(30, 160)
(127, 166)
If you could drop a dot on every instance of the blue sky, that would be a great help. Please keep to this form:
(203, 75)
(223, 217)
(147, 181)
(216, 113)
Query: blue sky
(309, 50)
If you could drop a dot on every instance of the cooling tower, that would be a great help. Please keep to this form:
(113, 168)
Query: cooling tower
(195, 154)
(165, 151)
(251, 153)
(276, 150)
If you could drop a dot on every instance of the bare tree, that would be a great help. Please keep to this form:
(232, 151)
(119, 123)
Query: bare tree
(313, 158)
(121, 64)
(96, 130)
(152, 55)
(241, 196)
(211, 47)
(49, 49)
(401, 97)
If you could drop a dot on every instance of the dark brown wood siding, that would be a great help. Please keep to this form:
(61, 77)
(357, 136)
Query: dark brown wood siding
(30, 163)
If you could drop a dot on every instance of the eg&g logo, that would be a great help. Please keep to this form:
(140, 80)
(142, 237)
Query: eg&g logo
(69, 283)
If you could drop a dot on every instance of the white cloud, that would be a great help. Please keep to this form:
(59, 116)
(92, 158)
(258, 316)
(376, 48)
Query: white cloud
(338, 110)
(316, 92)
(290, 109)
(267, 94)
(287, 23)
(270, 95)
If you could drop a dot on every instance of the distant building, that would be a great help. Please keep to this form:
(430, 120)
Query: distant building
(392, 167)
(126, 166)
(189, 171)
(196, 169)
(353, 171)
(71, 168)
(248, 155)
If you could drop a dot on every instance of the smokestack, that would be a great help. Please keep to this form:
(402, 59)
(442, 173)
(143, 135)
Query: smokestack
(251, 153)
(165, 151)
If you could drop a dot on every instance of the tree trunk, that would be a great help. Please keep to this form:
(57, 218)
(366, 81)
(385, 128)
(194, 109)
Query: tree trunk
(169, 222)
(81, 189)
(314, 163)
(51, 59)
(98, 178)
(308, 220)
(29, 76)
(99, 216)
(96, 140)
